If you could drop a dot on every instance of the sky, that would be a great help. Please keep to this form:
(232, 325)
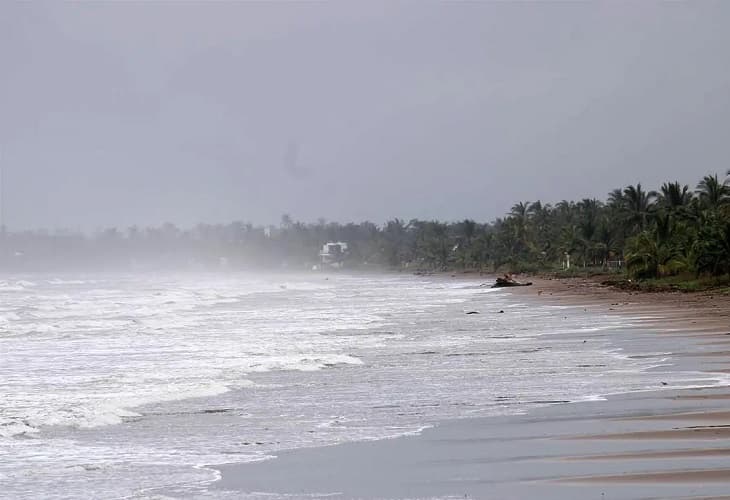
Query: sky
(123, 113)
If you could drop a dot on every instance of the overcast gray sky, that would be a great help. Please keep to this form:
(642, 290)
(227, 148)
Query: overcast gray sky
(140, 113)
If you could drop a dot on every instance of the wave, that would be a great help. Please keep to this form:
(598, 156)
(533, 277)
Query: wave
(110, 409)
(12, 427)
(15, 285)
(395, 357)
(134, 391)
(58, 281)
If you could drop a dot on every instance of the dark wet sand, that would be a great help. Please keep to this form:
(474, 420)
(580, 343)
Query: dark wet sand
(540, 455)
(651, 445)
(687, 476)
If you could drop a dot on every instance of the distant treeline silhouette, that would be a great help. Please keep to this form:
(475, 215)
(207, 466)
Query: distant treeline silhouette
(652, 233)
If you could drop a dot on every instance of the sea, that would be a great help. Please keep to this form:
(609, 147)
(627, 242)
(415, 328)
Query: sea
(137, 385)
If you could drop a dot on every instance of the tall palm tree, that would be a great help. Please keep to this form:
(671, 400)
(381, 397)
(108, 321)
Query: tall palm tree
(541, 219)
(395, 241)
(616, 199)
(712, 245)
(520, 215)
(588, 224)
(437, 244)
(673, 197)
(605, 239)
(520, 209)
(570, 240)
(469, 228)
(712, 192)
(638, 205)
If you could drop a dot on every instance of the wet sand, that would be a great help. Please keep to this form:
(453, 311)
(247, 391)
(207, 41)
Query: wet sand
(687, 313)
(664, 444)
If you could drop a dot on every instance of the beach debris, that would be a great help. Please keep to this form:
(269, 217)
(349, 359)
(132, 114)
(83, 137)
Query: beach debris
(217, 410)
(507, 280)
(501, 311)
(472, 312)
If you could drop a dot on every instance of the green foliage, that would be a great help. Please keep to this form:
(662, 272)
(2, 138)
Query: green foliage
(712, 246)
(653, 235)
(684, 282)
(648, 256)
(713, 193)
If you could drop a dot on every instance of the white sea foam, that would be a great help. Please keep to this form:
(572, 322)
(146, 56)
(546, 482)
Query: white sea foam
(129, 382)
(10, 428)
(59, 281)
(6, 317)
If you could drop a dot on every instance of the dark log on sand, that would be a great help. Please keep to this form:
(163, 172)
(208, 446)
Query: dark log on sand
(509, 281)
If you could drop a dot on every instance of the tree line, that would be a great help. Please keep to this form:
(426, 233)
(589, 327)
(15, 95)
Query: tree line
(673, 230)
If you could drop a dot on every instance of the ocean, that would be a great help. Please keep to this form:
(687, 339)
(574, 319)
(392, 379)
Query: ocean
(138, 385)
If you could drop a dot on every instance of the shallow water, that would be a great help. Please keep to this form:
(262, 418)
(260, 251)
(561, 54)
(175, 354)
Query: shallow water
(129, 385)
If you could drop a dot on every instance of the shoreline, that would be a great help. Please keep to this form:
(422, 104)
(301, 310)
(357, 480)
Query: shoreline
(706, 307)
(644, 437)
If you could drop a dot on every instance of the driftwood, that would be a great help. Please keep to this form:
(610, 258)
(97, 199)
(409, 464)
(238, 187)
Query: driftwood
(507, 280)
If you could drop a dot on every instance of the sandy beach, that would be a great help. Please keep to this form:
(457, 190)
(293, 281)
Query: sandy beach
(668, 443)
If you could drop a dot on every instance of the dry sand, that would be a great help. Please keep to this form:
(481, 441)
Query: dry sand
(700, 312)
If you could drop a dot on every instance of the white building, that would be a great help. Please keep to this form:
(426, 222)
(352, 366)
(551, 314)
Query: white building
(333, 253)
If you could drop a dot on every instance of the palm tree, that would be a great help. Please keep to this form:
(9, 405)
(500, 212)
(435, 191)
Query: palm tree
(432, 243)
(395, 242)
(712, 192)
(520, 214)
(469, 228)
(712, 245)
(638, 205)
(648, 257)
(616, 200)
(520, 210)
(564, 210)
(605, 239)
(589, 209)
(542, 217)
(570, 240)
(673, 197)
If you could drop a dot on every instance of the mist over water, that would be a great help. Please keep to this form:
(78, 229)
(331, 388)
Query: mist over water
(124, 384)
(170, 172)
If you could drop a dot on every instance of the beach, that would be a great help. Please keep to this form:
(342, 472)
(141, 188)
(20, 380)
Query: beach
(662, 443)
(381, 385)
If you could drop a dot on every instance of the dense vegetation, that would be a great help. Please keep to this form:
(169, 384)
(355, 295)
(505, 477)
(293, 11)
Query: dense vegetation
(672, 231)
